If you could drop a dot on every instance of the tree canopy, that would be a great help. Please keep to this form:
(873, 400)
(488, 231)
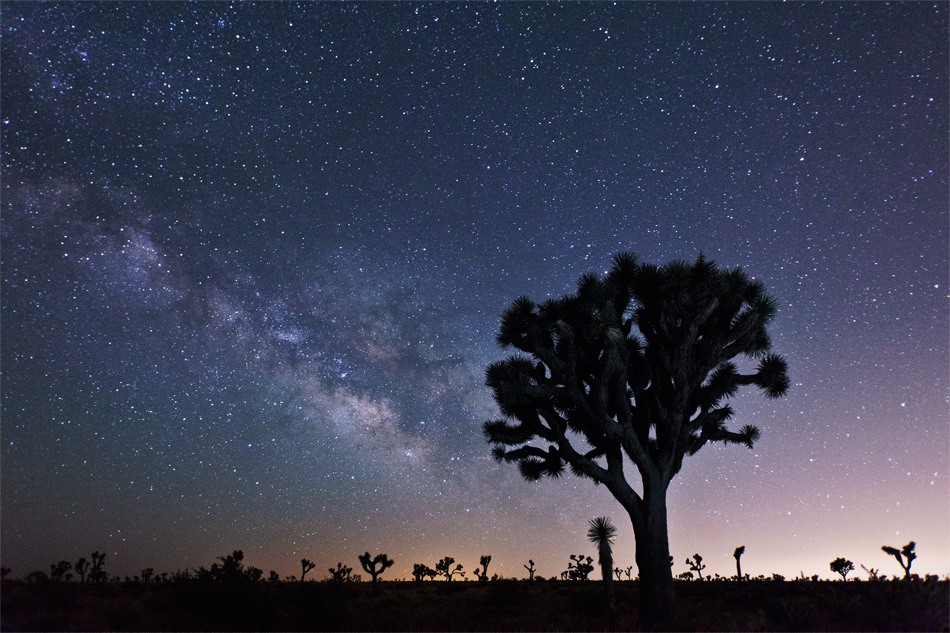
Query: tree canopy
(638, 361)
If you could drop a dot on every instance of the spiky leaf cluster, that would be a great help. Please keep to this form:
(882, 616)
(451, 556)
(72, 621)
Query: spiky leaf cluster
(638, 361)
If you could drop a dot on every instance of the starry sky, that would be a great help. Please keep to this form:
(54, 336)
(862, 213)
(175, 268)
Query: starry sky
(254, 258)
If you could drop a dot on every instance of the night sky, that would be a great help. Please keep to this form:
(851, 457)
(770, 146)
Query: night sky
(254, 258)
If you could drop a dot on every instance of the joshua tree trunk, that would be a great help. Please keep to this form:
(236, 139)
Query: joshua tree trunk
(738, 569)
(653, 561)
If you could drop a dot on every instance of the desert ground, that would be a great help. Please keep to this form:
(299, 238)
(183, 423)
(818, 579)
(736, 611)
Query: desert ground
(501, 605)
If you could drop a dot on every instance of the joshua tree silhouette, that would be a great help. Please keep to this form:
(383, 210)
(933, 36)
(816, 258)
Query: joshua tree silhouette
(341, 573)
(444, 568)
(696, 564)
(530, 568)
(305, 566)
(738, 554)
(57, 571)
(904, 554)
(96, 573)
(482, 574)
(376, 566)
(601, 532)
(580, 567)
(81, 567)
(841, 566)
(421, 571)
(231, 567)
(872, 573)
(636, 363)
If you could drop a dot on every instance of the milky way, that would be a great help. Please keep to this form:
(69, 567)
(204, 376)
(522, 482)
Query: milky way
(254, 259)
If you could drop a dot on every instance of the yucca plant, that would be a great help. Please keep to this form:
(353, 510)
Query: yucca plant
(601, 533)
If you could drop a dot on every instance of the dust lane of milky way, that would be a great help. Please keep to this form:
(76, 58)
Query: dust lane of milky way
(254, 259)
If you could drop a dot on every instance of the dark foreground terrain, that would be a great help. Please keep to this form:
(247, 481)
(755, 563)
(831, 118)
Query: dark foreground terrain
(504, 605)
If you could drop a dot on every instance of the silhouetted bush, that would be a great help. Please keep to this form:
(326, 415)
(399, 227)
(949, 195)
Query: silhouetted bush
(841, 566)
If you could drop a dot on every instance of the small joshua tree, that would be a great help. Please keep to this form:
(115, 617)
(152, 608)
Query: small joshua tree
(274, 577)
(738, 554)
(872, 573)
(580, 567)
(421, 571)
(686, 575)
(842, 566)
(81, 567)
(444, 568)
(147, 574)
(530, 568)
(904, 554)
(305, 566)
(696, 564)
(341, 573)
(376, 566)
(57, 571)
(96, 573)
(231, 568)
(482, 574)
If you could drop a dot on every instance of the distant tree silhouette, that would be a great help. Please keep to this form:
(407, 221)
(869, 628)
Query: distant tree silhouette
(253, 574)
(738, 554)
(872, 573)
(530, 568)
(341, 573)
(618, 572)
(305, 566)
(230, 570)
(4, 572)
(696, 564)
(482, 574)
(636, 363)
(57, 571)
(686, 575)
(580, 567)
(37, 577)
(81, 567)
(274, 577)
(904, 556)
(444, 568)
(842, 566)
(601, 532)
(375, 566)
(96, 572)
(421, 571)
